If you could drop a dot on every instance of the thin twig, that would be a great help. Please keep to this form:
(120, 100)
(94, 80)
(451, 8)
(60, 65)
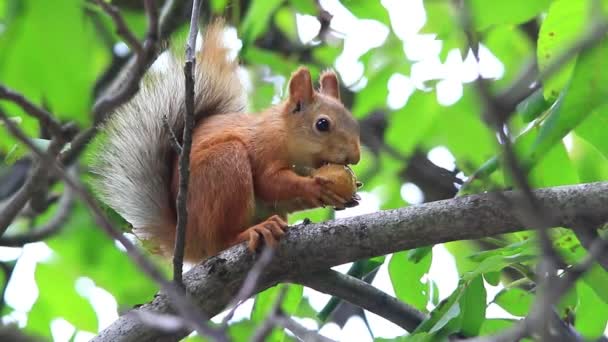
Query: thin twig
(364, 295)
(261, 333)
(127, 85)
(129, 76)
(52, 227)
(250, 283)
(586, 236)
(121, 26)
(182, 304)
(184, 157)
(301, 332)
(172, 138)
(36, 180)
(46, 119)
(277, 317)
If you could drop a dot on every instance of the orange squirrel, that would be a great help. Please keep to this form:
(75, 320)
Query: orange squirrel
(243, 181)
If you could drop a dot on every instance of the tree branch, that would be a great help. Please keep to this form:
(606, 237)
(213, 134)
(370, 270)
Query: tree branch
(121, 26)
(51, 227)
(45, 118)
(184, 156)
(364, 295)
(214, 283)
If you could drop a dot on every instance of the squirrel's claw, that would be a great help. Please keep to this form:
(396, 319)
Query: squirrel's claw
(271, 230)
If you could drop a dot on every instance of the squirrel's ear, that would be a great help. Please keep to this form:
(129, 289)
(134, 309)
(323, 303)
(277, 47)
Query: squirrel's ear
(329, 84)
(300, 87)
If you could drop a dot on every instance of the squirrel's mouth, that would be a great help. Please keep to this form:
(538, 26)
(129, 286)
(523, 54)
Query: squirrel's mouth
(324, 162)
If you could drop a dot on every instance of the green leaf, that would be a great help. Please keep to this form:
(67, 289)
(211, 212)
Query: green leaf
(257, 19)
(406, 279)
(488, 13)
(511, 55)
(417, 118)
(217, 6)
(285, 20)
(470, 149)
(545, 174)
(564, 23)
(68, 43)
(85, 250)
(493, 278)
(515, 301)
(265, 301)
(533, 106)
(368, 10)
(591, 313)
(441, 19)
(592, 129)
(591, 165)
(58, 298)
(463, 310)
(473, 304)
(417, 254)
(304, 6)
(494, 326)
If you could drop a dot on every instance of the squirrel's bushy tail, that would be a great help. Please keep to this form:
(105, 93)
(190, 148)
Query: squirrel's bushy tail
(134, 161)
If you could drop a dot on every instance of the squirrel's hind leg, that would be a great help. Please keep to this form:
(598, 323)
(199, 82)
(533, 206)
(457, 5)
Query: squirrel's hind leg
(220, 198)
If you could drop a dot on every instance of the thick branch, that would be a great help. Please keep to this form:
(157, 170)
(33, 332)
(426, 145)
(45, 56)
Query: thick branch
(364, 295)
(215, 282)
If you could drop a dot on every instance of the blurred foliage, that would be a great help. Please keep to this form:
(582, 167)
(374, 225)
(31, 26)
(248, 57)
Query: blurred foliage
(54, 52)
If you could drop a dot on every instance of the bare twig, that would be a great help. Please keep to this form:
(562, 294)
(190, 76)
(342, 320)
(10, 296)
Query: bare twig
(35, 181)
(363, 295)
(301, 332)
(50, 228)
(172, 138)
(277, 317)
(184, 306)
(121, 26)
(46, 119)
(261, 334)
(127, 85)
(586, 236)
(124, 86)
(250, 283)
(184, 157)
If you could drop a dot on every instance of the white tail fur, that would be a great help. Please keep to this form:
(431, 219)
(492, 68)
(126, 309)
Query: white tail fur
(134, 162)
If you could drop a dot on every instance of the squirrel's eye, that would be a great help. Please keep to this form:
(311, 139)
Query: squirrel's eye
(322, 125)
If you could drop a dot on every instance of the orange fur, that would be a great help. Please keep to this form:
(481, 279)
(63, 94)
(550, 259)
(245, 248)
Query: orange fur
(241, 169)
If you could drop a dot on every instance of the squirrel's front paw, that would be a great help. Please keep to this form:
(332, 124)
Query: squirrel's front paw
(319, 194)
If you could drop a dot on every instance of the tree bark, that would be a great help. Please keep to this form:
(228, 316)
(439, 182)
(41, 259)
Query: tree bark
(315, 247)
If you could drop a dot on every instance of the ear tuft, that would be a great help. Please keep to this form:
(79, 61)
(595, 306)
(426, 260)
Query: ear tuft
(329, 84)
(300, 86)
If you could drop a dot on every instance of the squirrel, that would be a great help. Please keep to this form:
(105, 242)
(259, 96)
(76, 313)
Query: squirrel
(243, 167)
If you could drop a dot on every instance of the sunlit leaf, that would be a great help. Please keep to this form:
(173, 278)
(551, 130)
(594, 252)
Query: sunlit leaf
(406, 277)
(515, 301)
(488, 13)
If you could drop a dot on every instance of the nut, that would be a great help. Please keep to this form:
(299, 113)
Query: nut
(343, 178)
